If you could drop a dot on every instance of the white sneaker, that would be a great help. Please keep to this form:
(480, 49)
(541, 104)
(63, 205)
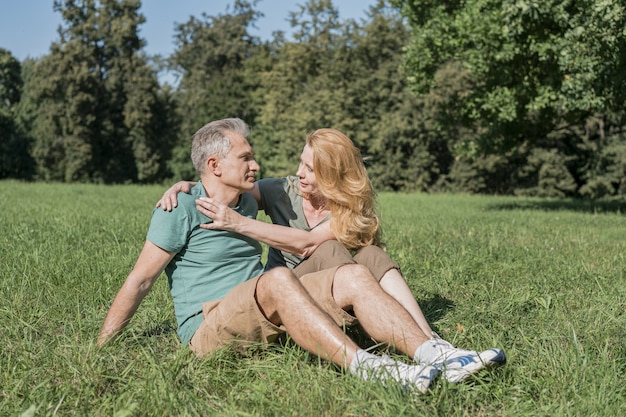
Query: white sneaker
(410, 376)
(457, 364)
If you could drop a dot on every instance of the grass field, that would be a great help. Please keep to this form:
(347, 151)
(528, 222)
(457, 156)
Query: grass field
(542, 279)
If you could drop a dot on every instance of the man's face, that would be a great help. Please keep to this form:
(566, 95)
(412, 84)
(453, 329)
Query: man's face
(238, 168)
(308, 182)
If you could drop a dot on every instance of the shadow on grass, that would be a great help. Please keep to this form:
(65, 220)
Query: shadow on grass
(435, 308)
(159, 330)
(581, 206)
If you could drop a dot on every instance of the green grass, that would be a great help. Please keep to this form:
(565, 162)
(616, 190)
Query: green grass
(543, 279)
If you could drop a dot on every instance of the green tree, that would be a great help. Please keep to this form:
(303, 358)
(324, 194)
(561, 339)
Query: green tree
(67, 92)
(134, 103)
(99, 110)
(305, 89)
(14, 158)
(10, 80)
(537, 70)
(347, 75)
(386, 119)
(212, 58)
(604, 148)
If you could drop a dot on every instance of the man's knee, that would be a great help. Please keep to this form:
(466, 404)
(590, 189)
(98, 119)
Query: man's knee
(276, 284)
(351, 282)
(275, 279)
(354, 274)
(280, 272)
(271, 289)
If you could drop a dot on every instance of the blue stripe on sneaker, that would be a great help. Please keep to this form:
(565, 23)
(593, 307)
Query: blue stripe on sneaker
(463, 360)
(434, 373)
(431, 375)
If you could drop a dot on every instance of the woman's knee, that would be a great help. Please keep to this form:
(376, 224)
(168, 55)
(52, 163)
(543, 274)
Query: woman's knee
(333, 248)
(370, 252)
(376, 260)
(329, 254)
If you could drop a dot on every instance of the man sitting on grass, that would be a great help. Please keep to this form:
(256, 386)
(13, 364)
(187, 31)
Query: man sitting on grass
(222, 297)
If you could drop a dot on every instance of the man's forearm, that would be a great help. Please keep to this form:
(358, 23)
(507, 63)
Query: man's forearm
(148, 267)
(122, 310)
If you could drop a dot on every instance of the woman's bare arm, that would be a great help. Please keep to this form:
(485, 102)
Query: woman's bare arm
(289, 239)
(169, 200)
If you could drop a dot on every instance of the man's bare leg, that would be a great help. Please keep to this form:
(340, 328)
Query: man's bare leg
(382, 317)
(284, 301)
(386, 320)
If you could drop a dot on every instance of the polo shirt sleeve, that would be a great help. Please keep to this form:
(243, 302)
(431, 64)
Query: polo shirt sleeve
(170, 230)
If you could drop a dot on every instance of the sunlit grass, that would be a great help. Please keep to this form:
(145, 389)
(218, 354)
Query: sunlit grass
(543, 279)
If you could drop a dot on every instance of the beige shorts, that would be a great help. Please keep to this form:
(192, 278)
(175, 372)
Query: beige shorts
(332, 253)
(237, 321)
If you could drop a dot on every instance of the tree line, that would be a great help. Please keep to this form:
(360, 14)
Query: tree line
(510, 96)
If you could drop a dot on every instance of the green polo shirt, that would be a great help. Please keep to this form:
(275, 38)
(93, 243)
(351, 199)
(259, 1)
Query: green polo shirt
(208, 263)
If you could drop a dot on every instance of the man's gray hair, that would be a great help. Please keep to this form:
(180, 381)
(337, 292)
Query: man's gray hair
(211, 140)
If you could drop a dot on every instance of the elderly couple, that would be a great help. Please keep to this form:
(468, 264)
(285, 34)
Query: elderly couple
(325, 269)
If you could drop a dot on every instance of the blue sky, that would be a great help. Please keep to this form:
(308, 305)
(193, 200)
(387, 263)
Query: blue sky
(28, 27)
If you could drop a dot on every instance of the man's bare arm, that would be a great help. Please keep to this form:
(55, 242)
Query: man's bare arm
(147, 269)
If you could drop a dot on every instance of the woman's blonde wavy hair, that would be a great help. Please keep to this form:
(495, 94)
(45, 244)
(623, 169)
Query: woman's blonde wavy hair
(342, 179)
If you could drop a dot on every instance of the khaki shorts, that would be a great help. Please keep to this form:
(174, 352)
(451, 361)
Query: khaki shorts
(237, 321)
(332, 253)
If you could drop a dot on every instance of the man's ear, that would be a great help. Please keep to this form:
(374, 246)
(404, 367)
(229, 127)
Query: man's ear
(213, 165)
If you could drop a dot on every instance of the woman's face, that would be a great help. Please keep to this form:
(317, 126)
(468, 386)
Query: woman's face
(308, 183)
